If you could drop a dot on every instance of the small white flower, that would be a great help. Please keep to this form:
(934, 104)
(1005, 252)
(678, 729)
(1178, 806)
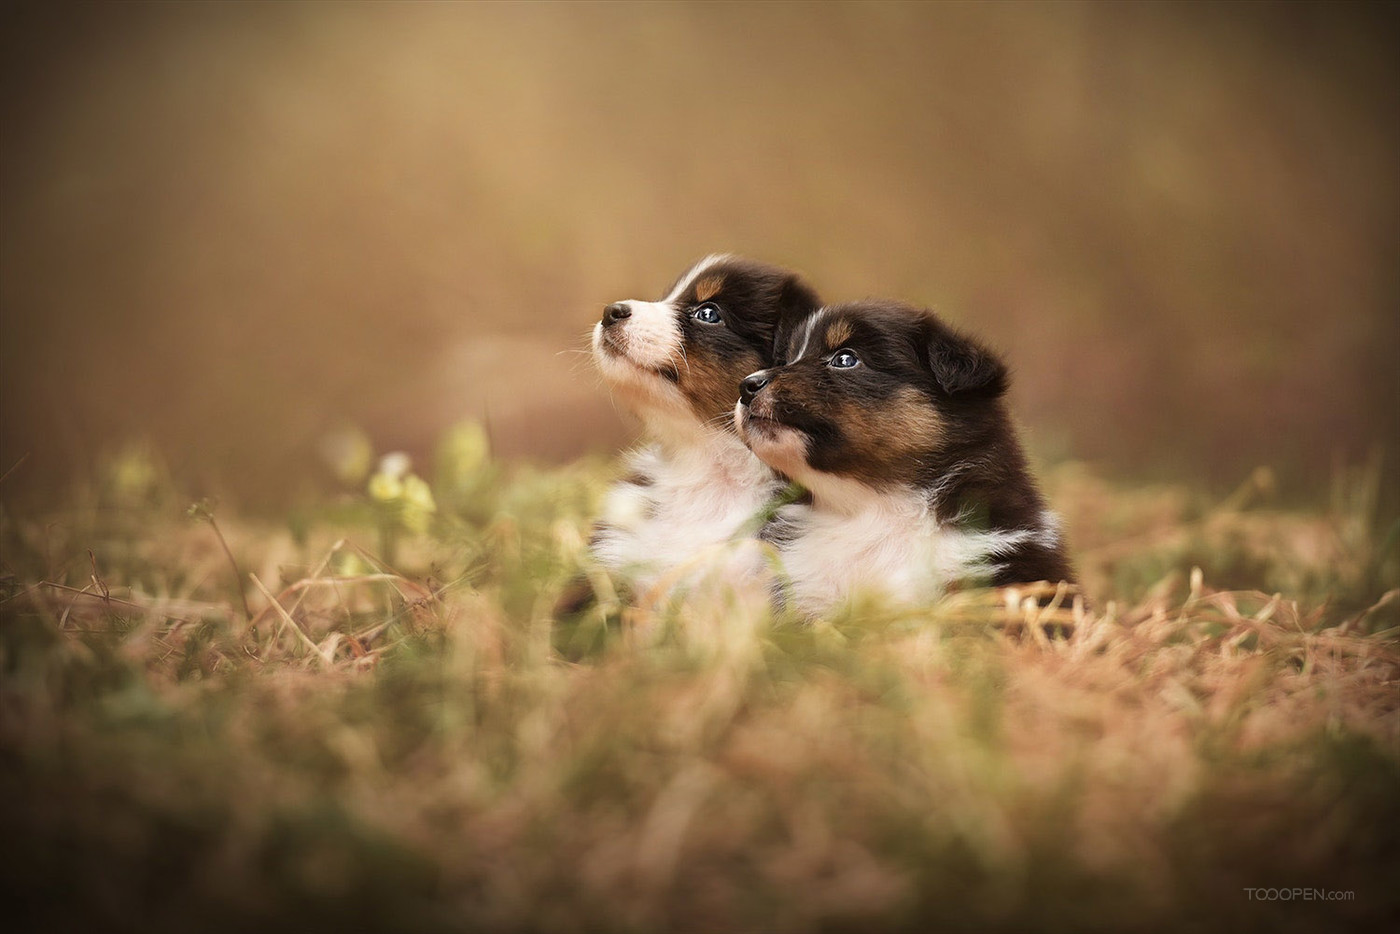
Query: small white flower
(395, 465)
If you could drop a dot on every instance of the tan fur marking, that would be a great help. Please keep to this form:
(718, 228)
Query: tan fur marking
(890, 437)
(712, 385)
(837, 333)
(707, 287)
(911, 419)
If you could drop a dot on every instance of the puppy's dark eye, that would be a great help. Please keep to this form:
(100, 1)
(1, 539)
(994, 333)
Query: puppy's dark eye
(707, 313)
(843, 360)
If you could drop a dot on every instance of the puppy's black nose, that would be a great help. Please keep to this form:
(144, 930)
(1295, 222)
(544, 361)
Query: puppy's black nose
(751, 385)
(616, 312)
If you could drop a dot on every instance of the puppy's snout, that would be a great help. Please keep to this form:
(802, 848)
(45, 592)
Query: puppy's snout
(751, 385)
(616, 312)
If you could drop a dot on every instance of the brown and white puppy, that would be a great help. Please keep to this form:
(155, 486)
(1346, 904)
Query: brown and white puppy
(897, 426)
(677, 363)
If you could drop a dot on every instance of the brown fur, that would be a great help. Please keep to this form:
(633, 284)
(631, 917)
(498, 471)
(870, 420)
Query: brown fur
(837, 333)
(883, 438)
(710, 383)
(707, 287)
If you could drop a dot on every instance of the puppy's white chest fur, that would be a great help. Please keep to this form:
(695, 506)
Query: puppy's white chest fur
(892, 547)
(684, 507)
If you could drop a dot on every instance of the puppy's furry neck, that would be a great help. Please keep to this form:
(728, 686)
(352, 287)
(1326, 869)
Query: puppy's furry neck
(688, 494)
(845, 499)
(681, 436)
(975, 516)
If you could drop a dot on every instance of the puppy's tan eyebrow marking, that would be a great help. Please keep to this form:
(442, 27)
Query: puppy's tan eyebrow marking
(708, 287)
(837, 333)
(693, 273)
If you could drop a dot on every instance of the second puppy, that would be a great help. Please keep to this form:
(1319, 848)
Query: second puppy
(896, 425)
(677, 363)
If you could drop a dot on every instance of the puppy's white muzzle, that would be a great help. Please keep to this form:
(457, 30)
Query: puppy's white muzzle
(648, 336)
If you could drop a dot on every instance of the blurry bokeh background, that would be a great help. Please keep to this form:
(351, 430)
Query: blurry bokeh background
(229, 229)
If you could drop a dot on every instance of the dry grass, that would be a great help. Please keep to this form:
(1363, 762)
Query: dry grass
(419, 747)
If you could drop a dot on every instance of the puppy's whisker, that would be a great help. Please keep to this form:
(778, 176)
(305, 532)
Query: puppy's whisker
(724, 418)
(717, 422)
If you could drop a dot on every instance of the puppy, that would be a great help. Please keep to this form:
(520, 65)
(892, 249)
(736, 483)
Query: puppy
(677, 363)
(896, 425)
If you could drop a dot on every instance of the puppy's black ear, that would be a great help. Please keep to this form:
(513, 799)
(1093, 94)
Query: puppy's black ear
(796, 300)
(962, 366)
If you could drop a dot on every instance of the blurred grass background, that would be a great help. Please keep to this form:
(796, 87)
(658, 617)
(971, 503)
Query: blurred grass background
(228, 229)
